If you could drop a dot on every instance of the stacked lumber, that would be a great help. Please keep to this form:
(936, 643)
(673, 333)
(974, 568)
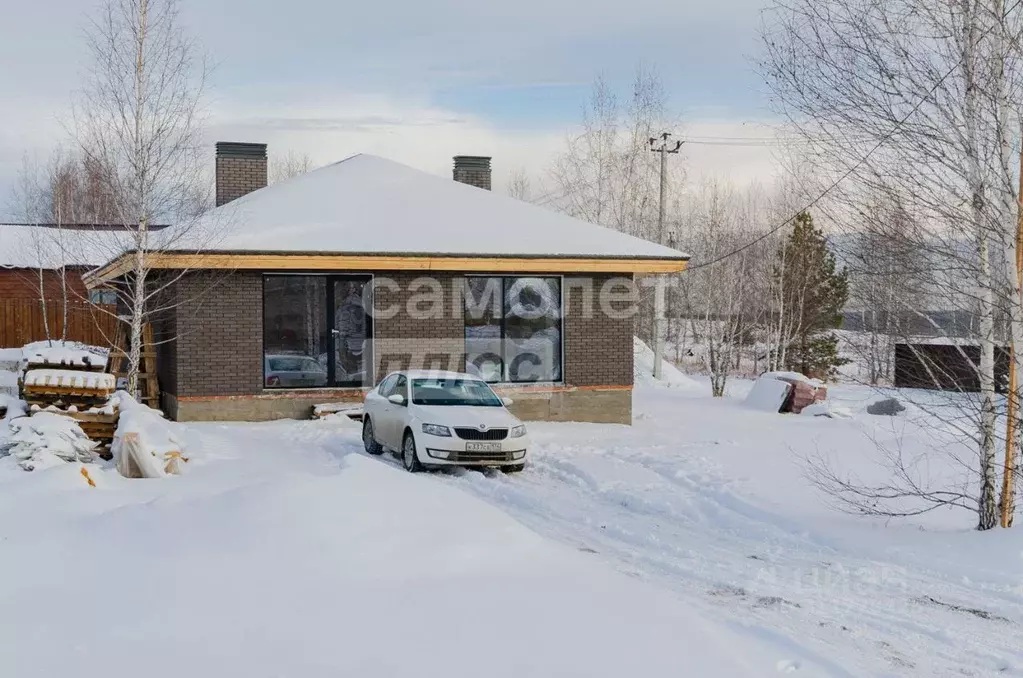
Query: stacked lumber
(81, 389)
(71, 382)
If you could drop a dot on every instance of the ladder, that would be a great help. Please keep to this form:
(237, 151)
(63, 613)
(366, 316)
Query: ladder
(149, 388)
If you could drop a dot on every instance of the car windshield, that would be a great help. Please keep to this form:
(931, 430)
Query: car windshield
(471, 392)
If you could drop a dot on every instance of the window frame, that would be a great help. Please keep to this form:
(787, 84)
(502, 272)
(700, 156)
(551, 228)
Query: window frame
(328, 318)
(503, 324)
(100, 293)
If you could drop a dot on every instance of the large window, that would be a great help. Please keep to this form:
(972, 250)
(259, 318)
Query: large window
(513, 328)
(316, 331)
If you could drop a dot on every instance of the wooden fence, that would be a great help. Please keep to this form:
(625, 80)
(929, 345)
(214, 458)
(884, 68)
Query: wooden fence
(21, 322)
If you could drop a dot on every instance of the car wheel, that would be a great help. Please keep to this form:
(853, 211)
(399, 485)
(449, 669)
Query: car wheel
(514, 468)
(368, 441)
(409, 458)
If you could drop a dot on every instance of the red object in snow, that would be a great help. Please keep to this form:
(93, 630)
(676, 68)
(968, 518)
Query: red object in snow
(803, 394)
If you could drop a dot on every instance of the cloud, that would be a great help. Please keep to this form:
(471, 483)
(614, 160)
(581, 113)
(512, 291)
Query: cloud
(416, 81)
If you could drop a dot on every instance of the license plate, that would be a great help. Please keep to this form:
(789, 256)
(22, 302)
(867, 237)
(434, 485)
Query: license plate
(483, 447)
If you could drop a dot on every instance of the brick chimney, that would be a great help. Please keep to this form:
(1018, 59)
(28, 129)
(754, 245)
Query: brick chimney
(241, 169)
(473, 170)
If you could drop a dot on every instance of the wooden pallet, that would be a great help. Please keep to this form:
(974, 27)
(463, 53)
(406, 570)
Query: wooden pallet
(148, 384)
(99, 427)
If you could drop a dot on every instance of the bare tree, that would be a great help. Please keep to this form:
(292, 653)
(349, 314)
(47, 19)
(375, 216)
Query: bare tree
(291, 164)
(919, 98)
(519, 186)
(28, 201)
(607, 174)
(138, 117)
(717, 296)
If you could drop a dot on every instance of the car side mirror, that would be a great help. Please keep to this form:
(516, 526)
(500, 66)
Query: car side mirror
(396, 398)
(507, 401)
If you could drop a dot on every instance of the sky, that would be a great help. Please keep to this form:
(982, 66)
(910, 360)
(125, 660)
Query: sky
(417, 81)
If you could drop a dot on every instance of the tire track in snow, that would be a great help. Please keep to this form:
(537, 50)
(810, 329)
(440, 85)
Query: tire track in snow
(677, 542)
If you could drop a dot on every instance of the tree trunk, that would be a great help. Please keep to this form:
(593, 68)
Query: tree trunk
(987, 509)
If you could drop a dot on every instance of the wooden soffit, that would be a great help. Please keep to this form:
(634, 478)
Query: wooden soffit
(381, 262)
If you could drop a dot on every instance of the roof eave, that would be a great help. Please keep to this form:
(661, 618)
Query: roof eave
(326, 261)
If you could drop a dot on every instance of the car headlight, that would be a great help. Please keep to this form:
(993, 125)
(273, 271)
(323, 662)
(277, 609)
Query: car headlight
(518, 431)
(437, 430)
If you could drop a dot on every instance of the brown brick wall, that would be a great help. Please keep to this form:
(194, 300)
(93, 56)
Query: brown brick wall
(239, 176)
(218, 323)
(437, 342)
(598, 349)
(219, 320)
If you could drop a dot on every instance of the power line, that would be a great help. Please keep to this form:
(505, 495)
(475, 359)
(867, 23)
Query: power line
(845, 175)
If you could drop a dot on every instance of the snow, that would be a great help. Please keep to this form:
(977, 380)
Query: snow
(8, 381)
(823, 408)
(36, 246)
(289, 553)
(710, 501)
(158, 440)
(688, 544)
(768, 394)
(70, 379)
(44, 440)
(792, 377)
(643, 371)
(65, 353)
(369, 205)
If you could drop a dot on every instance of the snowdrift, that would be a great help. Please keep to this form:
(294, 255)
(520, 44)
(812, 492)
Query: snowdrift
(643, 370)
(296, 567)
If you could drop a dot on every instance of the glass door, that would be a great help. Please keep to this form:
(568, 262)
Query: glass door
(351, 357)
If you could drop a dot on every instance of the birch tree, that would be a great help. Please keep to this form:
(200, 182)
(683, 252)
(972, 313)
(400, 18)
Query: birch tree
(139, 116)
(719, 298)
(918, 97)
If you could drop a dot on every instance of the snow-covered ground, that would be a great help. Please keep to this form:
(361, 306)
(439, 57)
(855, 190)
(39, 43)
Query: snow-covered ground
(689, 544)
(10, 366)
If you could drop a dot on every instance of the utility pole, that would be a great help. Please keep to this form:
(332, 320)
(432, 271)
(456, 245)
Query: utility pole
(1008, 503)
(664, 148)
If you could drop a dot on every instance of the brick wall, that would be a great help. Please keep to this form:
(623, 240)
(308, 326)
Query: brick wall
(240, 169)
(473, 170)
(598, 349)
(219, 327)
(219, 322)
(437, 342)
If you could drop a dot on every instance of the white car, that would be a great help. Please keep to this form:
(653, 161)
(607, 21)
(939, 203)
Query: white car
(443, 419)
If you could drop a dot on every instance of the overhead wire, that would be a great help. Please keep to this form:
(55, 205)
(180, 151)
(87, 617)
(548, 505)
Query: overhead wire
(859, 163)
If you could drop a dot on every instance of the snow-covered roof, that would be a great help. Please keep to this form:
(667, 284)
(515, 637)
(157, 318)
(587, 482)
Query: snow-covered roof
(23, 246)
(369, 205)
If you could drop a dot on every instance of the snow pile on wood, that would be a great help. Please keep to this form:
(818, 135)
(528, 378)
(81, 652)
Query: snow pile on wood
(792, 378)
(643, 370)
(45, 440)
(145, 444)
(70, 379)
(71, 354)
(789, 392)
